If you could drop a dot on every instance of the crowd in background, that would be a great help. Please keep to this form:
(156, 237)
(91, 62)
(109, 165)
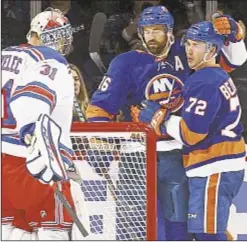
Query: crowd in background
(120, 33)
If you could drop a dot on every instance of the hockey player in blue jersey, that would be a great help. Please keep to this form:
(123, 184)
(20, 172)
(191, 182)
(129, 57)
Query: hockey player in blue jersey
(159, 74)
(210, 131)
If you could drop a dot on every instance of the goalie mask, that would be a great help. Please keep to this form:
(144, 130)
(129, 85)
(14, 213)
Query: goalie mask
(53, 29)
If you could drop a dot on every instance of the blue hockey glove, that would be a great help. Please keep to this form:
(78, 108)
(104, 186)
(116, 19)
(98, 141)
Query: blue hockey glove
(226, 25)
(153, 114)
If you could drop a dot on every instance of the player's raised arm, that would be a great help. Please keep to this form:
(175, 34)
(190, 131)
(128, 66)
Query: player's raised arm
(233, 53)
(113, 90)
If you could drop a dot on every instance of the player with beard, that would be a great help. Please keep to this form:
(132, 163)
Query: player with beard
(211, 133)
(158, 74)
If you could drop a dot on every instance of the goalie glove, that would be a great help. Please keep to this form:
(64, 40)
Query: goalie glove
(226, 25)
(153, 114)
(47, 159)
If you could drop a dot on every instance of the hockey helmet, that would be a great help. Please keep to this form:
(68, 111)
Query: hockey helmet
(155, 15)
(205, 32)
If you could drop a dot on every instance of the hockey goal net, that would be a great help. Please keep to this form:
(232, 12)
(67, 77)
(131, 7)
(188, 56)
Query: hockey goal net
(117, 162)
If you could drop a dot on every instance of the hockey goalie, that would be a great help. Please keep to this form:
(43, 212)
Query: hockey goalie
(37, 91)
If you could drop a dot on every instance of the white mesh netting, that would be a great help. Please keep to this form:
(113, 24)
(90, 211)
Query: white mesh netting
(113, 186)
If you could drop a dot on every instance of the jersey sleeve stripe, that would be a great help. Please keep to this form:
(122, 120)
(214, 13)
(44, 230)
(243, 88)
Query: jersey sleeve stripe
(37, 53)
(94, 112)
(27, 51)
(226, 61)
(189, 137)
(33, 95)
(33, 52)
(12, 140)
(225, 64)
(216, 152)
(36, 90)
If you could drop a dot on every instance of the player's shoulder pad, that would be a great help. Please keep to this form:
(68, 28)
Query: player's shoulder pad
(130, 58)
(210, 75)
(209, 78)
(48, 53)
(125, 59)
(39, 53)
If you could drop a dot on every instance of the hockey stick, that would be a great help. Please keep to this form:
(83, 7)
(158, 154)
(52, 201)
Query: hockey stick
(96, 33)
(71, 212)
(81, 116)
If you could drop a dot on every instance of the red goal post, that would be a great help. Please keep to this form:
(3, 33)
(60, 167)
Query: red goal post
(128, 205)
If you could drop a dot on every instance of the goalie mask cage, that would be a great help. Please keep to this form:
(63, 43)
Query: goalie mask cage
(117, 162)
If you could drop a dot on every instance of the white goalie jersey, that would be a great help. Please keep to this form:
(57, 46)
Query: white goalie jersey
(35, 80)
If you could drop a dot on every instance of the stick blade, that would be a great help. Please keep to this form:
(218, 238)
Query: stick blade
(96, 32)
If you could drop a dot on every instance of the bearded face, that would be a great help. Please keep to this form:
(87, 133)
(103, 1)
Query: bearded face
(155, 37)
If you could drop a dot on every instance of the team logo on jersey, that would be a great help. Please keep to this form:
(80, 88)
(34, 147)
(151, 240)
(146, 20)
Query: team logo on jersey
(167, 90)
(43, 213)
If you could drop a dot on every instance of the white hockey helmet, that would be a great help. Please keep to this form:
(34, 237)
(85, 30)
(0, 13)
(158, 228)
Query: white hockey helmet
(53, 29)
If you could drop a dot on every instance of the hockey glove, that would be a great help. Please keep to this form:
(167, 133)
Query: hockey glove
(47, 159)
(226, 25)
(153, 114)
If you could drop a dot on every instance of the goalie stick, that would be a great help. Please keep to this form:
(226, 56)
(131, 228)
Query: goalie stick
(46, 143)
(96, 33)
(71, 212)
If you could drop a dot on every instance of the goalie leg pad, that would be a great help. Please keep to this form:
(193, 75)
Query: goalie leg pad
(7, 230)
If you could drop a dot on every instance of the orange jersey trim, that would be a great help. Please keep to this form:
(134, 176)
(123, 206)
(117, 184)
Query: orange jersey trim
(225, 66)
(157, 96)
(214, 151)
(189, 136)
(94, 112)
(211, 203)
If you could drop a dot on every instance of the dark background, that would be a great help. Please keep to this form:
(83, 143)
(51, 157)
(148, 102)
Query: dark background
(16, 21)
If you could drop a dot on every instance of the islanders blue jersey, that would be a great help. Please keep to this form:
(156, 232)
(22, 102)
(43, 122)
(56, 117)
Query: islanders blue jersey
(134, 76)
(210, 126)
